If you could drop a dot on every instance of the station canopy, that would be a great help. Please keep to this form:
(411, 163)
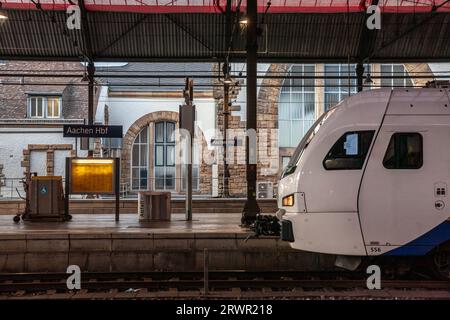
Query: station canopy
(194, 30)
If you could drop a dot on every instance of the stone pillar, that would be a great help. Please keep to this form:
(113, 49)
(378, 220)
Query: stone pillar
(50, 162)
(319, 90)
(2, 179)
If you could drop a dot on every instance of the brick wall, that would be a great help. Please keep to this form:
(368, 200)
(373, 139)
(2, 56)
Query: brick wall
(13, 90)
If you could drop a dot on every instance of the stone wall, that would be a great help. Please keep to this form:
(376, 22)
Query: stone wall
(267, 120)
(50, 149)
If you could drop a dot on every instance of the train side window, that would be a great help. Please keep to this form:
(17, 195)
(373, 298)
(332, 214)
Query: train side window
(405, 151)
(349, 152)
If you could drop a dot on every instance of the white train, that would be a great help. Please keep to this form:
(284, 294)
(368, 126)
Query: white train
(371, 178)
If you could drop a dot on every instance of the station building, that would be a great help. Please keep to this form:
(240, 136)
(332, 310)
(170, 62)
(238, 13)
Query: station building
(32, 113)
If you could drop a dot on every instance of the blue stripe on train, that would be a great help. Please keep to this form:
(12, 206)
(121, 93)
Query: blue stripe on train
(425, 243)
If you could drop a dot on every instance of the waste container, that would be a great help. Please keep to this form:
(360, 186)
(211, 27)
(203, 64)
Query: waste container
(154, 206)
(46, 199)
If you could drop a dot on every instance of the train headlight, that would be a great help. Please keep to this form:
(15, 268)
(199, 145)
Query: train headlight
(288, 201)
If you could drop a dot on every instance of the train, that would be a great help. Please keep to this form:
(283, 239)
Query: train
(370, 178)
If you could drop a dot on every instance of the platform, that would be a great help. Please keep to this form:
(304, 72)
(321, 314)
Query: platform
(97, 243)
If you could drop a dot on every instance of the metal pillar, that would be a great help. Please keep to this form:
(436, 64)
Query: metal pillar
(251, 208)
(359, 76)
(226, 112)
(90, 74)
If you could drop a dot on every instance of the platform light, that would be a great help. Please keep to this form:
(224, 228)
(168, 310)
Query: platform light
(368, 79)
(228, 79)
(3, 15)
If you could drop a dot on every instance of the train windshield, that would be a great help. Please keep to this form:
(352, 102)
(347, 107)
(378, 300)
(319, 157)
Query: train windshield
(292, 165)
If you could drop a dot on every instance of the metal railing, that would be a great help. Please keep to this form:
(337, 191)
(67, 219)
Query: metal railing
(12, 189)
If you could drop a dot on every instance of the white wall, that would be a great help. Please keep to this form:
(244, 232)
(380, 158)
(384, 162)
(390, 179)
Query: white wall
(14, 140)
(125, 111)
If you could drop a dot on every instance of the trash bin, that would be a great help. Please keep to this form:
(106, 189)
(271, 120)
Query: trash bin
(46, 198)
(154, 206)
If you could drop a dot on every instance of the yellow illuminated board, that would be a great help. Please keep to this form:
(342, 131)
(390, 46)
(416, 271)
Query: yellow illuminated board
(92, 176)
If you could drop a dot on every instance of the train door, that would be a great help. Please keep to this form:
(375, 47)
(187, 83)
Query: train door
(403, 195)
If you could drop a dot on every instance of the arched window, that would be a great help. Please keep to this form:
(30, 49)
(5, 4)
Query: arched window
(296, 108)
(139, 161)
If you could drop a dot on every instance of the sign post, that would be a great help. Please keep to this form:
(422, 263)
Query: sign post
(187, 121)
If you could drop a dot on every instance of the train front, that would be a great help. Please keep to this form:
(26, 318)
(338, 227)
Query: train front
(291, 200)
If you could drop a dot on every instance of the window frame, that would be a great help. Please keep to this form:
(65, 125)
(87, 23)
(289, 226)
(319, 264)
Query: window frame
(140, 166)
(350, 157)
(292, 89)
(45, 99)
(391, 67)
(421, 150)
(164, 144)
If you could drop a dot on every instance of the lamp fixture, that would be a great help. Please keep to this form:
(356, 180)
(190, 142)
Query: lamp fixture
(368, 79)
(3, 14)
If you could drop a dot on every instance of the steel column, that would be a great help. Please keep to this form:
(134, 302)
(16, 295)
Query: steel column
(359, 76)
(251, 209)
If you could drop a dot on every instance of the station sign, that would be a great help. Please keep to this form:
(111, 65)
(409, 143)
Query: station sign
(92, 131)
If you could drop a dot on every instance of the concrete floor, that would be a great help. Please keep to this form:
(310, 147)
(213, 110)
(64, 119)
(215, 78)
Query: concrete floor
(129, 223)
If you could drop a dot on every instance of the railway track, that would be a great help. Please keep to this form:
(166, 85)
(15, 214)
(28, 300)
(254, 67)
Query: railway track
(219, 284)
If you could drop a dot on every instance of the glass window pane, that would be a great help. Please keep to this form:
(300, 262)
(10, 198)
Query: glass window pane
(170, 156)
(33, 107)
(53, 107)
(143, 178)
(297, 132)
(135, 173)
(309, 111)
(143, 134)
(159, 132)
(284, 133)
(297, 98)
(135, 155)
(159, 155)
(349, 151)
(351, 144)
(170, 134)
(285, 161)
(309, 83)
(296, 111)
(159, 178)
(404, 151)
(40, 106)
(170, 178)
(283, 111)
(143, 155)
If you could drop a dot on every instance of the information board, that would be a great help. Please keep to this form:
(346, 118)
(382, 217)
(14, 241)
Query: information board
(92, 176)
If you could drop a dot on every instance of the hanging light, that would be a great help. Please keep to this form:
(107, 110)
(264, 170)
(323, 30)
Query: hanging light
(3, 15)
(227, 79)
(368, 79)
